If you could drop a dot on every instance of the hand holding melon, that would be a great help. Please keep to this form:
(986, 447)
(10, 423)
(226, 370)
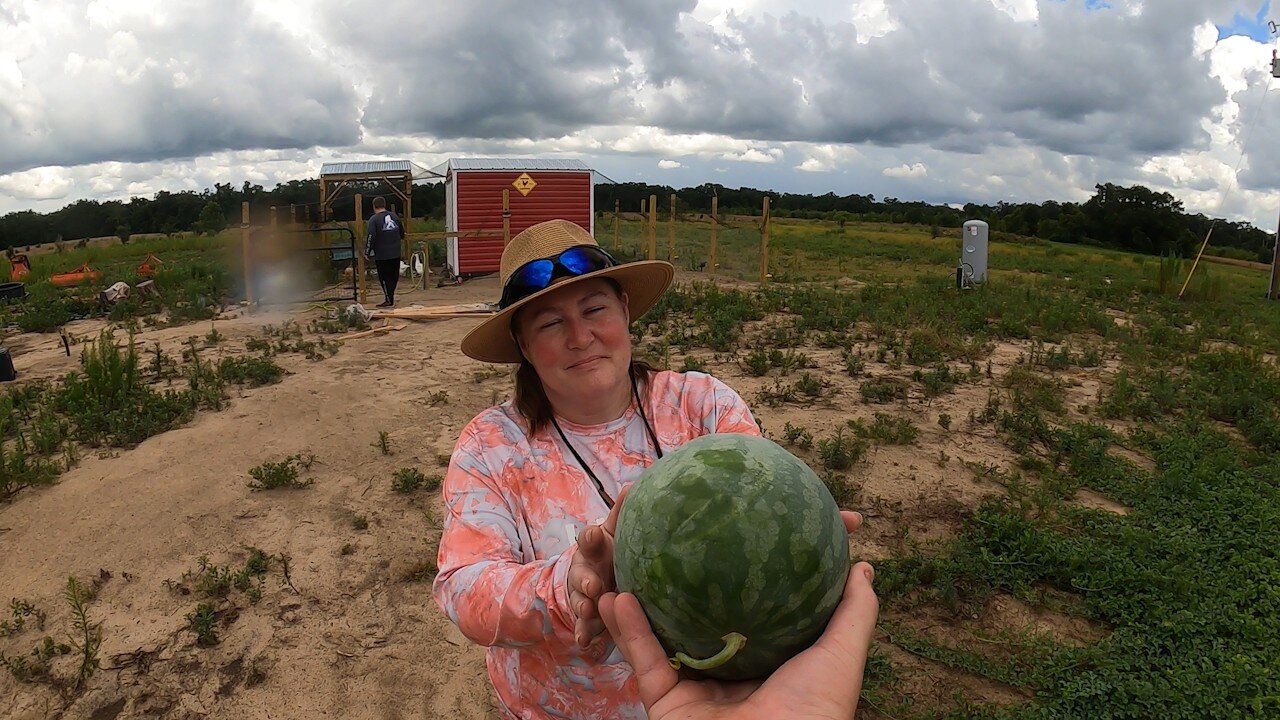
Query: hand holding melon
(736, 552)
(591, 575)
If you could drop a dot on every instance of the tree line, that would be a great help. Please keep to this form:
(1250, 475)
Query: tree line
(1133, 218)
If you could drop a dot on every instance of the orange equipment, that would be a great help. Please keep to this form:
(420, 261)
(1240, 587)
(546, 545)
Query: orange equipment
(21, 267)
(82, 274)
(148, 266)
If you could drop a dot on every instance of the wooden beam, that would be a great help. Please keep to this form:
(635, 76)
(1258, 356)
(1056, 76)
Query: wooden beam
(247, 254)
(764, 243)
(408, 215)
(671, 231)
(327, 201)
(715, 222)
(359, 233)
(444, 234)
(506, 216)
(653, 221)
(324, 206)
(1274, 291)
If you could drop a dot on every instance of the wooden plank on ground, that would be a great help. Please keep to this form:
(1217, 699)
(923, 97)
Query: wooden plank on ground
(374, 331)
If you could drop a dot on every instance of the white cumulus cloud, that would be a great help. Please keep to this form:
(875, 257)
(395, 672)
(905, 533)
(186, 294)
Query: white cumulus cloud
(915, 170)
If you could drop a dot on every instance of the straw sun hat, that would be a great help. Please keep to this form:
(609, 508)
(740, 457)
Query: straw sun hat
(643, 281)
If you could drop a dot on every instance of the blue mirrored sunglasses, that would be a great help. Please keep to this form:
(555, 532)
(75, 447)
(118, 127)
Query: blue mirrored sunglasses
(538, 274)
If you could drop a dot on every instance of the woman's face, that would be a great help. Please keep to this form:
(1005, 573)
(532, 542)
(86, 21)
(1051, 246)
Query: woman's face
(578, 340)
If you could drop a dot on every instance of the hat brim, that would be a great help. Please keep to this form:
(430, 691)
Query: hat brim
(643, 281)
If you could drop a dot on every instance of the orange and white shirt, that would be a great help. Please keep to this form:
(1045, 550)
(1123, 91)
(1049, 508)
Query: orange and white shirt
(514, 505)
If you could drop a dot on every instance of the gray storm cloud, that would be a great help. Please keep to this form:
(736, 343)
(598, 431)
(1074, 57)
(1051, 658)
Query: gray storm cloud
(87, 83)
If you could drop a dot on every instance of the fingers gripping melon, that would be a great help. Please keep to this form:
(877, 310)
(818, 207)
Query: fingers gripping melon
(736, 552)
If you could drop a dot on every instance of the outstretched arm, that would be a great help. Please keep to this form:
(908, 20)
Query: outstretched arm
(824, 681)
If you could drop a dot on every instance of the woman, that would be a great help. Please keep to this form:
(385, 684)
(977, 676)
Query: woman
(524, 557)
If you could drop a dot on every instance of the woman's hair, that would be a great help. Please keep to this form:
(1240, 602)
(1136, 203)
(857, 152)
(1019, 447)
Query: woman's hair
(531, 399)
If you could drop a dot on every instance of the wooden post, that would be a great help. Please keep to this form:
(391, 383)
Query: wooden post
(273, 235)
(324, 214)
(644, 227)
(359, 231)
(408, 215)
(617, 237)
(293, 214)
(506, 216)
(671, 229)
(764, 243)
(653, 221)
(1274, 291)
(248, 255)
(715, 225)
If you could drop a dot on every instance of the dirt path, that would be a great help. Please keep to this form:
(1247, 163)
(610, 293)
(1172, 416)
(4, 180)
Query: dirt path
(356, 639)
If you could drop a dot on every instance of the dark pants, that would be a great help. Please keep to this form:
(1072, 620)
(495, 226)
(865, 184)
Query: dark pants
(388, 276)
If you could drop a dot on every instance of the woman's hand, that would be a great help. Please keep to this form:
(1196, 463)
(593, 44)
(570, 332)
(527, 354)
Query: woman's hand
(591, 575)
(824, 681)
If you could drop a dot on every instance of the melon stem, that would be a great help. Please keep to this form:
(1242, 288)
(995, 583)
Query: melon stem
(733, 642)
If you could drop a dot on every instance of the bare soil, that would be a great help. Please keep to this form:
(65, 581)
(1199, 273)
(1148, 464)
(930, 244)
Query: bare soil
(354, 632)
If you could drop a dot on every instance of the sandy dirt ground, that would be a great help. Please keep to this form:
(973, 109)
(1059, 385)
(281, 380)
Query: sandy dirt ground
(353, 631)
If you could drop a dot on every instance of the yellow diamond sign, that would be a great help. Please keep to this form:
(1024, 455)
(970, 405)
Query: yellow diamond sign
(525, 184)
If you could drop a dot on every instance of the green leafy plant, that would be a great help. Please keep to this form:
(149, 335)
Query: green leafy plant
(886, 429)
(840, 451)
(798, 436)
(407, 480)
(282, 474)
(86, 638)
(203, 621)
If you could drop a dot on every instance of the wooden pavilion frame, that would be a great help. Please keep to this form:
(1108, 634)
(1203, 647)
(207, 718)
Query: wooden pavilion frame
(398, 175)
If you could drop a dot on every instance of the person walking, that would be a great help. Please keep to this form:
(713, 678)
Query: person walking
(383, 236)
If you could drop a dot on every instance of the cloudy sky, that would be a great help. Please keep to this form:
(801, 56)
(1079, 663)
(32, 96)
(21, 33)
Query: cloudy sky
(939, 100)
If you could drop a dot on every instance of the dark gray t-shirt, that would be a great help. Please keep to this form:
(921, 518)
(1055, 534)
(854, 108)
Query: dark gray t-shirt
(383, 235)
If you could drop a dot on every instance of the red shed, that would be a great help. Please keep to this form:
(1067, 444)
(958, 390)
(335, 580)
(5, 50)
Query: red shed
(539, 190)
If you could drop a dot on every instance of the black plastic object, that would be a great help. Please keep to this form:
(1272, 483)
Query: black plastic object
(7, 373)
(13, 291)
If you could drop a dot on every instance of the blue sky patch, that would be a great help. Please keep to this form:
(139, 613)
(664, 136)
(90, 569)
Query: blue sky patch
(1256, 27)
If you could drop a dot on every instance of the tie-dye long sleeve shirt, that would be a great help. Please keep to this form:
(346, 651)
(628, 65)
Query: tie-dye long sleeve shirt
(514, 505)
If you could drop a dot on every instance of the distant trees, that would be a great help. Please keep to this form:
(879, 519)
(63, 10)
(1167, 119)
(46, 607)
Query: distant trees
(1134, 218)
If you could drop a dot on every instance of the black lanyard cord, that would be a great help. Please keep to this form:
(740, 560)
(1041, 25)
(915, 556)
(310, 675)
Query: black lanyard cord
(608, 501)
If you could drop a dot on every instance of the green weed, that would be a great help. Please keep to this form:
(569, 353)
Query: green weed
(886, 429)
(282, 474)
(840, 451)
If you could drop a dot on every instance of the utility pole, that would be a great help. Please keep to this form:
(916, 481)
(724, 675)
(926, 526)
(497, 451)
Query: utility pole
(1273, 291)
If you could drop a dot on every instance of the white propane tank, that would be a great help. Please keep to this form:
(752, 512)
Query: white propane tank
(973, 253)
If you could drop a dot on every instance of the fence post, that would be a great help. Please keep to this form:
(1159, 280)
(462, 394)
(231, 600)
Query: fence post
(248, 255)
(617, 235)
(671, 231)
(359, 233)
(506, 217)
(1274, 292)
(715, 224)
(653, 221)
(764, 243)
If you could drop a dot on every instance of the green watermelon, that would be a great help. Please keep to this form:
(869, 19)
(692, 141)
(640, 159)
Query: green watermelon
(736, 551)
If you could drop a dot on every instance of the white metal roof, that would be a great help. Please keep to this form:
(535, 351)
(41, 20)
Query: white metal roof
(370, 167)
(509, 164)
